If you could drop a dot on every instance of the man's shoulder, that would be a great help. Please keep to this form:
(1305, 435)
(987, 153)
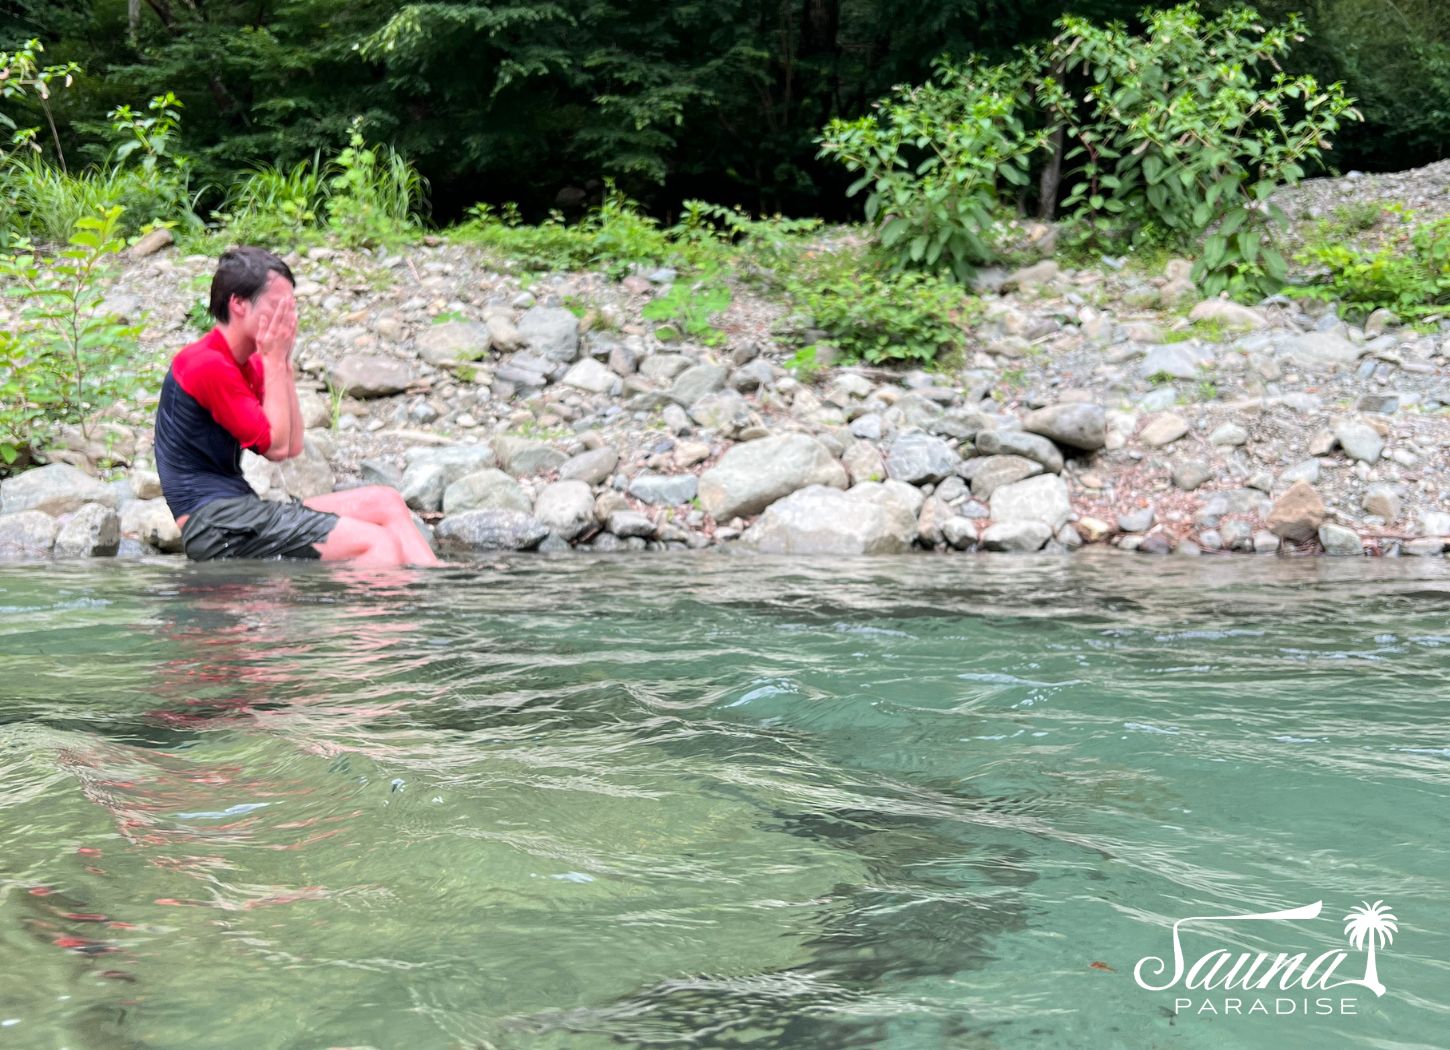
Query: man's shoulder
(196, 358)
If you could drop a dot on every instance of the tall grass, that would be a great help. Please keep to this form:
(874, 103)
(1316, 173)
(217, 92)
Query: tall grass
(363, 195)
(376, 194)
(273, 204)
(42, 204)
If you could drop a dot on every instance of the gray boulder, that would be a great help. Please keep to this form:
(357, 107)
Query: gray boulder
(818, 519)
(369, 375)
(1359, 440)
(753, 475)
(1075, 424)
(992, 472)
(697, 381)
(453, 342)
(626, 523)
(1020, 443)
(908, 497)
(551, 332)
(150, 521)
(309, 474)
(523, 457)
(1017, 536)
(93, 531)
(27, 534)
(863, 462)
(918, 458)
(491, 530)
(959, 531)
(1340, 541)
(1163, 429)
(1180, 361)
(566, 507)
(724, 411)
(1320, 351)
(592, 375)
(666, 489)
(488, 489)
(1227, 313)
(423, 486)
(57, 488)
(456, 460)
(591, 467)
(1042, 499)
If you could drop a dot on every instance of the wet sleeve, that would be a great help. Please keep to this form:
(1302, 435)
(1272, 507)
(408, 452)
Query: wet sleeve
(223, 392)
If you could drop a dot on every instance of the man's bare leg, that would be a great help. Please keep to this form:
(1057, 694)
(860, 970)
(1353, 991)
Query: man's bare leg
(360, 543)
(383, 507)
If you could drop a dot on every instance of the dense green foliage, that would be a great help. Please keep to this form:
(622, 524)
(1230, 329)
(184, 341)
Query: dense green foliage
(1394, 56)
(1408, 272)
(1176, 136)
(66, 357)
(518, 101)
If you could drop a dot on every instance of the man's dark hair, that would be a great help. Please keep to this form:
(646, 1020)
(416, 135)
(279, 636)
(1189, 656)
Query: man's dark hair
(243, 272)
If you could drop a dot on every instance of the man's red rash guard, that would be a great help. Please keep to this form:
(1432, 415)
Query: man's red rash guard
(210, 409)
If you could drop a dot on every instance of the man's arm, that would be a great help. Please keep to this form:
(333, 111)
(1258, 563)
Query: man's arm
(275, 337)
(277, 400)
(296, 427)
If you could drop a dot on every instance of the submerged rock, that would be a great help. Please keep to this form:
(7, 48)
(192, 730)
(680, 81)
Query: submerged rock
(27, 534)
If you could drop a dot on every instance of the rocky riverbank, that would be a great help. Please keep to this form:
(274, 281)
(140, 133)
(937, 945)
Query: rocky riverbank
(1095, 406)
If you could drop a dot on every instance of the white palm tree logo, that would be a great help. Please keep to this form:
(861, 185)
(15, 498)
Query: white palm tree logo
(1368, 927)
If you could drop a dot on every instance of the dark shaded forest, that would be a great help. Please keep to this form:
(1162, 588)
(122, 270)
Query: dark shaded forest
(540, 102)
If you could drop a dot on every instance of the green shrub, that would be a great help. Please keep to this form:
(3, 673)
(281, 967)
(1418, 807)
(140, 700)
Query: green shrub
(615, 237)
(937, 159)
(1176, 137)
(23, 77)
(65, 359)
(875, 314)
(141, 175)
(1181, 129)
(275, 205)
(1408, 273)
(686, 310)
(376, 195)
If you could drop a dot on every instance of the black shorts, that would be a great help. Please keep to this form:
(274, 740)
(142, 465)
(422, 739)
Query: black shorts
(251, 527)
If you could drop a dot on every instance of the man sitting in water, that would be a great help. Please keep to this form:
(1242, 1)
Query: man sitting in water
(235, 389)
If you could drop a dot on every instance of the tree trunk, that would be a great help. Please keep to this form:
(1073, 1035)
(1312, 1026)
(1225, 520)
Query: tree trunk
(1051, 179)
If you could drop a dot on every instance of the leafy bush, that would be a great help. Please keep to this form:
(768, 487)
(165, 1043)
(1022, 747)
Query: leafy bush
(1408, 273)
(1180, 130)
(1177, 134)
(615, 237)
(275, 205)
(376, 195)
(937, 159)
(687, 308)
(23, 77)
(141, 175)
(876, 314)
(65, 358)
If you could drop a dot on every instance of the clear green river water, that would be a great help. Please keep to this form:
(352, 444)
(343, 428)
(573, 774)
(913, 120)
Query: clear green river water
(717, 801)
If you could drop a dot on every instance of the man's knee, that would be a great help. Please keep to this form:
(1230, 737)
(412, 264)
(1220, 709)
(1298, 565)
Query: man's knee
(389, 504)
